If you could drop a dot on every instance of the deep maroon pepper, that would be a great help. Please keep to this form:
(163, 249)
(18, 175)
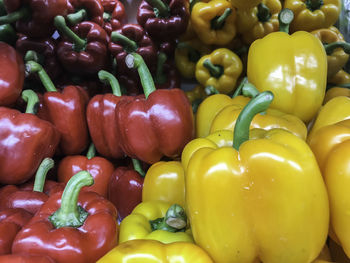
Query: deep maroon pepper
(34, 17)
(85, 10)
(25, 258)
(25, 140)
(11, 74)
(166, 76)
(164, 19)
(114, 15)
(82, 50)
(168, 47)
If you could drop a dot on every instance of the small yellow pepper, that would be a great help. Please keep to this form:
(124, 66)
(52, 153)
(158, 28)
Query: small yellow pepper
(219, 69)
(151, 251)
(339, 86)
(156, 220)
(342, 77)
(214, 22)
(310, 15)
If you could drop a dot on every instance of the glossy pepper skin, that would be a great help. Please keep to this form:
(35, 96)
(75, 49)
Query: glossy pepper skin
(79, 228)
(205, 22)
(220, 69)
(148, 251)
(138, 225)
(282, 64)
(11, 74)
(157, 17)
(312, 15)
(93, 11)
(256, 187)
(20, 258)
(114, 15)
(25, 141)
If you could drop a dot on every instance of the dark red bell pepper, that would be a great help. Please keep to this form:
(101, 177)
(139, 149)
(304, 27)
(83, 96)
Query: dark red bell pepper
(25, 140)
(159, 124)
(166, 76)
(100, 168)
(125, 188)
(71, 227)
(82, 50)
(34, 17)
(25, 258)
(164, 19)
(114, 15)
(11, 222)
(85, 10)
(66, 110)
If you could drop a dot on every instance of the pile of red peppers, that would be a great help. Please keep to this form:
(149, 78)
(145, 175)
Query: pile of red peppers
(88, 101)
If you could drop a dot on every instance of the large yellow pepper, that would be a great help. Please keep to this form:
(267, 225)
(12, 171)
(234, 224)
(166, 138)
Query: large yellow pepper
(293, 67)
(262, 199)
(219, 69)
(258, 21)
(151, 251)
(313, 14)
(156, 220)
(245, 4)
(214, 22)
(165, 181)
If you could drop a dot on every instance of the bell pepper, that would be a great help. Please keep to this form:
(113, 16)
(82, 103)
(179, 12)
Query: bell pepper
(246, 4)
(187, 54)
(11, 221)
(214, 22)
(20, 258)
(338, 85)
(70, 103)
(33, 17)
(149, 251)
(100, 168)
(165, 181)
(125, 188)
(197, 93)
(160, 16)
(258, 21)
(336, 92)
(341, 77)
(163, 116)
(72, 226)
(25, 141)
(219, 69)
(257, 209)
(293, 67)
(113, 15)
(85, 10)
(156, 220)
(11, 75)
(166, 75)
(336, 48)
(82, 50)
(310, 15)
(167, 47)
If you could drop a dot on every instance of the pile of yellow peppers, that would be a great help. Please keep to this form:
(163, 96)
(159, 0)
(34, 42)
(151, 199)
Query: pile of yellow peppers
(267, 176)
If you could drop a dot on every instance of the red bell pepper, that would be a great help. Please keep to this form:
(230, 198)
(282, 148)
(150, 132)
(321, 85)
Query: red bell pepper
(25, 140)
(114, 15)
(159, 124)
(21, 258)
(85, 10)
(167, 76)
(11, 222)
(100, 168)
(71, 227)
(11, 75)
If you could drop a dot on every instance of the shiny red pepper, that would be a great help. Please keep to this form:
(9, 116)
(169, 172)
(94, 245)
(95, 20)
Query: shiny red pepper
(100, 168)
(166, 76)
(114, 15)
(25, 258)
(25, 140)
(11, 75)
(75, 226)
(85, 10)
(159, 124)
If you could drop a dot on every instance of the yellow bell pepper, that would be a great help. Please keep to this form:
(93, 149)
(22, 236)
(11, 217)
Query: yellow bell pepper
(258, 21)
(165, 181)
(310, 15)
(245, 4)
(339, 86)
(263, 198)
(156, 220)
(336, 92)
(214, 22)
(151, 251)
(219, 69)
(293, 67)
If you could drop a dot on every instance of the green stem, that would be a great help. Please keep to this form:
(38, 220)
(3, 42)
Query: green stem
(314, 4)
(193, 54)
(249, 90)
(8, 34)
(263, 14)
(210, 90)
(215, 70)
(137, 167)
(34, 67)
(60, 24)
(175, 220)
(285, 17)
(32, 100)
(332, 46)
(41, 173)
(31, 55)
(134, 60)
(108, 78)
(107, 16)
(160, 8)
(70, 214)
(129, 45)
(256, 105)
(77, 17)
(238, 90)
(91, 153)
(218, 22)
(23, 13)
(160, 77)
